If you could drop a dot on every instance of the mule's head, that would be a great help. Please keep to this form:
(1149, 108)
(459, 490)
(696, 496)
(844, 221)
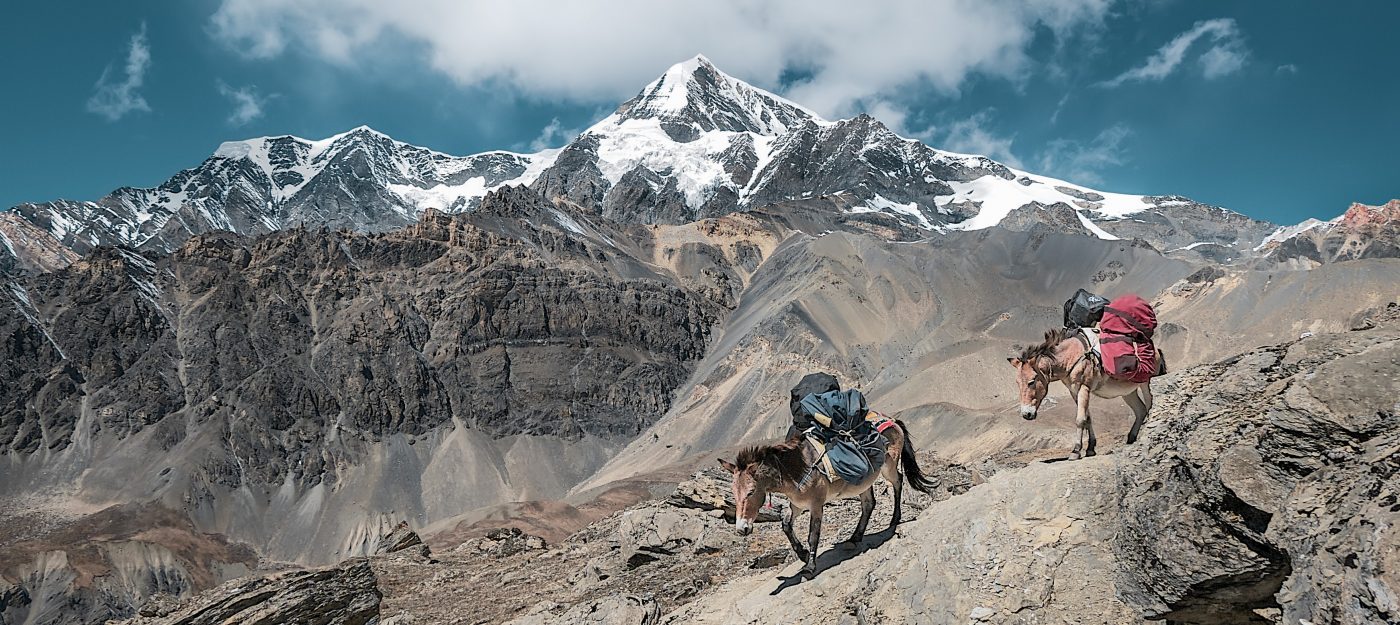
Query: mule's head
(749, 493)
(1033, 383)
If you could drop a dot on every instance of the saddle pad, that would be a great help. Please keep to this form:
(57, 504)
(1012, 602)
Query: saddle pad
(817, 444)
(1092, 335)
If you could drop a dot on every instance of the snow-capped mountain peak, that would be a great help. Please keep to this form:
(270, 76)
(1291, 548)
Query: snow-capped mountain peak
(694, 96)
(694, 143)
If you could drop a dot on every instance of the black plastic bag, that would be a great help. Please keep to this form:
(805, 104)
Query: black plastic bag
(1084, 310)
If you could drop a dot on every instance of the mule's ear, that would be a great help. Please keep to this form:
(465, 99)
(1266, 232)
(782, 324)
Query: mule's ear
(1015, 362)
(728, 466)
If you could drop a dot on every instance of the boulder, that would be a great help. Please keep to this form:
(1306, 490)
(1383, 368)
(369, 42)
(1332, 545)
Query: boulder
(712, 489)
(344, 594)
(614, 610)
(400, 538)
(647, 533)
(505, 541)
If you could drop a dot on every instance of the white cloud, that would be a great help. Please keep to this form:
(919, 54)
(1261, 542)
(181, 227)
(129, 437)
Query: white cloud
(552, 136)
(1060, 106)
(972, 136)
(1077, 161)
(114, 99)
(1288, 68)
(1083, 162)
(247, 103)
(601, 51)
(1222, 61)
(1226, 55)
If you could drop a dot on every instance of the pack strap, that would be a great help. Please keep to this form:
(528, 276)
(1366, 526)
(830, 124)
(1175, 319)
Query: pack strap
(822, 461)
(1131, 321)
(1089, 353)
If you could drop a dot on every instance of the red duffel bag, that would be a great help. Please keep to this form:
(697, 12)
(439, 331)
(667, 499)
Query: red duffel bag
(1126, 339)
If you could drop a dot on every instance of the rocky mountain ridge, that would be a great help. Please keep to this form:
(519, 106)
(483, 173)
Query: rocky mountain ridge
(695, 143)
(1361, 232)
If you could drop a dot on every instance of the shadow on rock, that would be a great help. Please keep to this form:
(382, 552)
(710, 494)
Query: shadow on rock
(837, 554)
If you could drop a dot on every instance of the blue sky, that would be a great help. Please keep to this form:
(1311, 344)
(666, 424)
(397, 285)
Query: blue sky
(1281, 110)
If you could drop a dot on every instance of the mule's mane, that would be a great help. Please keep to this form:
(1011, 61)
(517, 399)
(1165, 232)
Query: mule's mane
(785, 458)
(1046, 348)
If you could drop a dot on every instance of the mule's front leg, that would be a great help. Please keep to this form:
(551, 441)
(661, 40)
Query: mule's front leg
(1081, 396)
(814, 538)
(1087, 422)
(789, 512)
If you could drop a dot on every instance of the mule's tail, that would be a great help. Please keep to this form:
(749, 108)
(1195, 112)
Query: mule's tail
(912, 472)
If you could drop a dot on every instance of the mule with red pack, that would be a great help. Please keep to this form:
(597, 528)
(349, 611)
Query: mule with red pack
(1104, 350)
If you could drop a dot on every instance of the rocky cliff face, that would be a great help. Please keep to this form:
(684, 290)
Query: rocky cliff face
(1272, 486)
(300, 391)
(306, 330)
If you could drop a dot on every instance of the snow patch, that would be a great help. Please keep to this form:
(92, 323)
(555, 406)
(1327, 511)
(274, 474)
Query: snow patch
(234, 149)
(997, 197)
(1094, 228)
(25, 306)
(881, 204)
(1193, 246)
(1288, 232)
(449, 198)
(625, 145)
(567, 222)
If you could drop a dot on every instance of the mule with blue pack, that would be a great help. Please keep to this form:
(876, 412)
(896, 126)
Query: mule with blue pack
(837, 448)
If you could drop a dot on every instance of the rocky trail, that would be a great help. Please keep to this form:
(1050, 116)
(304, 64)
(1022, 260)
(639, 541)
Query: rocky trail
(1263, 490)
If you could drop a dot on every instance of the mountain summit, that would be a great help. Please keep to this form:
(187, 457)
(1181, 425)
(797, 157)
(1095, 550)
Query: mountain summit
(692, 144)
(695, 97)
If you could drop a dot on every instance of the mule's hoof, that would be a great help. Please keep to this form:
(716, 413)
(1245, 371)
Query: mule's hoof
(1073, 456)
(1090, 453)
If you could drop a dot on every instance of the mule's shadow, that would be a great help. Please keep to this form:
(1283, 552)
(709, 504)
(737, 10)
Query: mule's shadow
(837, 554)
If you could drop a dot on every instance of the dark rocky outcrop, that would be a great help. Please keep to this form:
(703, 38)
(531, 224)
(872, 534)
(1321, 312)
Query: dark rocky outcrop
(1036, 217)
(400, 538)
(345, 594)
(1271, 485)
